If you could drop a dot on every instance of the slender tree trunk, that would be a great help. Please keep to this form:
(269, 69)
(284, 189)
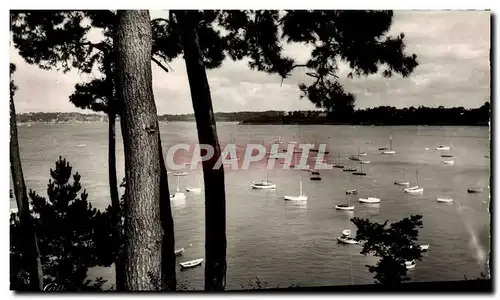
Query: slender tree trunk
(113, 190)
(168, 244)
(215, 198)
(139, 121)
(33, 262)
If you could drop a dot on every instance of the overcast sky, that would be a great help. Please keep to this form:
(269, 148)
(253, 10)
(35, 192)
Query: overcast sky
(452, 48)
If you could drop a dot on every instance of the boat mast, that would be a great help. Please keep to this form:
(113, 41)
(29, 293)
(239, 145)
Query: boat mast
(390, 141)
(417, 176)
(178, 180)
(301, 188)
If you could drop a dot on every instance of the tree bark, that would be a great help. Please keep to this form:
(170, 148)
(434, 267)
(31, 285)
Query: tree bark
(33, 262)
(215, 198)
(168, 244)
(113, 190)
(139, 121)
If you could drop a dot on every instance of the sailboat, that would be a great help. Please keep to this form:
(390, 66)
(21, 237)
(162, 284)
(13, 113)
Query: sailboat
(346, 206)
(390, 151)
(351, 168)
(264, 184)
(444, 200)
(402, 182)
(338, 165)
(371, 200)
(360, 172)
(178, 195)
(415, 189)
(302, 197)
(449, 162)
(279, 141)
(195, 190)
(442, 148)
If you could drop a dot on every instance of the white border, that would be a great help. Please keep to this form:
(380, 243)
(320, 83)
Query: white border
(94, 4)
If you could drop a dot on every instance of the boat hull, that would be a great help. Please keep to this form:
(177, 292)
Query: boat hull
(369, 200)
(414, 190)
(389, 152)
(191, 264)
(178, 196)
(405, 183)
(344, 207)
(193, 190)
(347, 240)
(359, 173)
(264, 187)
(295, 198)
(444, 200)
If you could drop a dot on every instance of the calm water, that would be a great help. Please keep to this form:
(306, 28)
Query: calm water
(285, 243)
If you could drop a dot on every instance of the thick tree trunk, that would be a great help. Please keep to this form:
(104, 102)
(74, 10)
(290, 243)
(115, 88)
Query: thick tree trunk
(168, 244)
(30, 245)
(215, 198)
(139, 121)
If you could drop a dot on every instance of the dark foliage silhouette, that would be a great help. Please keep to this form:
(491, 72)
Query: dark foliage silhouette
(72, 235)
(393, 244)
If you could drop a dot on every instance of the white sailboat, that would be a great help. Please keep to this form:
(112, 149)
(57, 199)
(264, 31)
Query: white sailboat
(449, 162)
(390, 151)
(195, 190)
(371, 200)
(178, 252)
(442, 148)
(178, 195)
(444, 199)
(338, 165)
(415, 189)
(180, 174)
(302, 197)
(404, 182)
(346, 206)
(264, 184)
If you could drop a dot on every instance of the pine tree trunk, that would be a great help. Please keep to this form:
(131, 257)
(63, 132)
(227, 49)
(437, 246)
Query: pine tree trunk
(168, 244)
(215, 198)
(33, 262)
(139, 121)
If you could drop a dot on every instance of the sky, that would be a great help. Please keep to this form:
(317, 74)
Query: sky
(454, 70)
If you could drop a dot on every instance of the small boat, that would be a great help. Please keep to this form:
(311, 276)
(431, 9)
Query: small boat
(344, 207)
(427, 149)
(338, 165)
(364, 162)
(360, 172)
(415, 189)
(355, 158)
(178, 195)
(383, 148)
(410, 264)
(442, 148)
(362, 154)
(315, 178)
(178, 252)
(444, 200)
(81, 145)
(446, 155)
(346, 232)
(180, 174)
(351, 168)
(351, 192)
(191, 263)
(264, 184)
(390, 151)
(369, 200)
(474, 190)
(347, 240)
(424, 248)
(402, 182)
(301, 197)
(449, 162)
(486, 156)
(195, 190)
(314, 173)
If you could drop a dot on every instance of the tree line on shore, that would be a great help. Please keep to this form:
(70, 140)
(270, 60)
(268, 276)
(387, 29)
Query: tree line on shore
(51, 249)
